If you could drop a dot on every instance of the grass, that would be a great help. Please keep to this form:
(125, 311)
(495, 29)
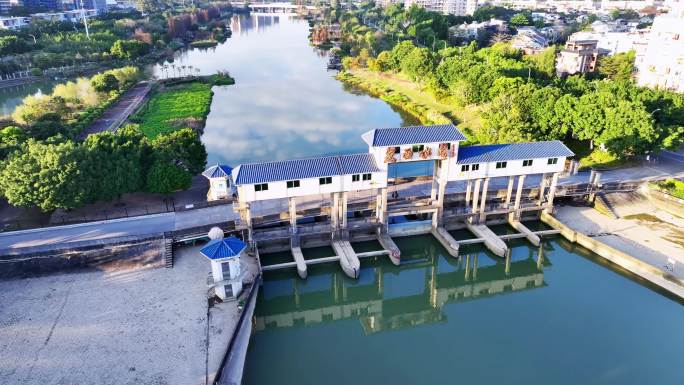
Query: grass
(172, 108)
(673, 187)
(410, 97)
(596, 158)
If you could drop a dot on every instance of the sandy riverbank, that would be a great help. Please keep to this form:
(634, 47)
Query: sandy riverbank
(134, 327)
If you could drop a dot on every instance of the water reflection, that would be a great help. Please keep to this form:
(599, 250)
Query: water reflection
(11, 97)
(241, 24)
(388, 297)
(285, 104)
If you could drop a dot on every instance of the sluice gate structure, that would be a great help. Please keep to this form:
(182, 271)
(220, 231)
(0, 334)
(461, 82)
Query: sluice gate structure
(335, 200)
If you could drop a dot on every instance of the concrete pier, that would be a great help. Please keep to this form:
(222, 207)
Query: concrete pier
(449, 243)
(491, 240)
(299, 261)
(532, 237)
(391, 247)
(348, 260)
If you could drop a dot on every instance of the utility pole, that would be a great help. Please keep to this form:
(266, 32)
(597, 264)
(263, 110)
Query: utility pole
(85, 21)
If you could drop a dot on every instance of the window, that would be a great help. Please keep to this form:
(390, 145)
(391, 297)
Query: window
(475, 167)
(418, 147)
(292, 183)
(261, 187)
(325, 180)
(465, 167)
(527, 163)
(552, 161)
(367, 176)
(356, 177)
(501, 164)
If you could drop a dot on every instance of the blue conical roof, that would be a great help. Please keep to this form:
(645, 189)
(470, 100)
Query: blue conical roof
(223, 248)
(217, 171)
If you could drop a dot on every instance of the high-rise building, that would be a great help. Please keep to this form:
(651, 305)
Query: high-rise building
(660, 62)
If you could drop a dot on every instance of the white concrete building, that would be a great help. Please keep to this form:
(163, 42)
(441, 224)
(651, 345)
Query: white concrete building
(220, 182)
(613, 42)
(226, 271)
(13, 23)
(453, 7)
(344, 173)
(660, 61)
(75, 16)
(530, 40)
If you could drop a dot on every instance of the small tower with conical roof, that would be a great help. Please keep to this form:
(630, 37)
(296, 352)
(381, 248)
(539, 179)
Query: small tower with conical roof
(220, 182)
(224, 255)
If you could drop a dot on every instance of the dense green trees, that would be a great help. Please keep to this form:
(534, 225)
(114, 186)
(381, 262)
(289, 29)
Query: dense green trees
(519, 96)
(617, 67)
(129, 49)
(105, 82)
(12, 45)
(60, 173)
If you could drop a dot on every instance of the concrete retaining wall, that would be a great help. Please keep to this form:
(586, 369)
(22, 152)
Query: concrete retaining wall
(622, 259)
(666, 202)
(107, 254)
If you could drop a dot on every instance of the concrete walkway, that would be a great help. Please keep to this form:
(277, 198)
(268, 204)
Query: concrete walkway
(652, 236)
(120, 111)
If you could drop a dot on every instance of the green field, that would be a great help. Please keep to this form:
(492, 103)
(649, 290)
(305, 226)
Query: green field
(169, 109)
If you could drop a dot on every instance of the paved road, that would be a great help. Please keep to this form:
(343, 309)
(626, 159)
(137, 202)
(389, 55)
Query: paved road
(122, 109)
(142, 225)
(668, 166)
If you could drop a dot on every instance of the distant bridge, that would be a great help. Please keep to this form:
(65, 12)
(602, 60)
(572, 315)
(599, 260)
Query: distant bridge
(279, 7)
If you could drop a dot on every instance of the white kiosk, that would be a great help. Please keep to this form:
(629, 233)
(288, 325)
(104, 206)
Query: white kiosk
(220, 182)
(226, 271)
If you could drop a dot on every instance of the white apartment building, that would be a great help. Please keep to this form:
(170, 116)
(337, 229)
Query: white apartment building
(453, 7)
(75, 16)
(13, 23)
(612, 43)
(660, 61)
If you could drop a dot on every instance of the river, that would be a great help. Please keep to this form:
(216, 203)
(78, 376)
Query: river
(285, 104)
(432, 320)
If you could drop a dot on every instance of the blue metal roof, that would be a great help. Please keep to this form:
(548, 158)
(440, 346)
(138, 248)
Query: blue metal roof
(512, 151)
(223, 248)
(357, 163)
(413, 135)
(217, 171)
(305, 168)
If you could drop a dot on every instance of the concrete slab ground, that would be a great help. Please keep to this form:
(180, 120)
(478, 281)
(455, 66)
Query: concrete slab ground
(134, 327)
(653, 236)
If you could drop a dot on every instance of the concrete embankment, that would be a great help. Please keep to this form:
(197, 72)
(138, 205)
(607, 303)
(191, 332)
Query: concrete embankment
(121, 253)
(632, 264)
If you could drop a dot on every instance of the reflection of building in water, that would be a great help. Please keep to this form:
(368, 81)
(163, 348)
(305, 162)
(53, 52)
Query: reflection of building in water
(242, 24)
(395, 297)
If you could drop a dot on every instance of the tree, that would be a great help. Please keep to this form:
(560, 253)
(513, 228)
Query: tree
(129, 49)
(543, 63)
(105, 82)
(418, 64)
(182, 148)
(617, 67)
(10, 45)
(44, 175)
(521, 19)
(34, 107)
(115, 162)
(164, 178)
